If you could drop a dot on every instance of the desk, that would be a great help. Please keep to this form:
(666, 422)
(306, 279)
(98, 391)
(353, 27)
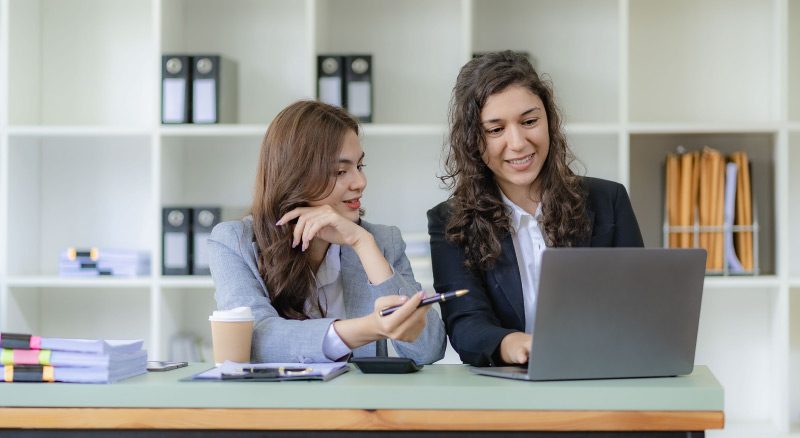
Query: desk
(438, 398)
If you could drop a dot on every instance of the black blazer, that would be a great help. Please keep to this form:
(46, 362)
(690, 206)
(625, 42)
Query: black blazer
(493, 308)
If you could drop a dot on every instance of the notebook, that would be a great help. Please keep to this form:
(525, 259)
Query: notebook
(607, 313)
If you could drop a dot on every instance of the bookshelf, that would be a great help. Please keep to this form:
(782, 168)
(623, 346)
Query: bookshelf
(85, 162)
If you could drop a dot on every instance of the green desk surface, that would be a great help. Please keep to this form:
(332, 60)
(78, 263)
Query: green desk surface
(434, 387)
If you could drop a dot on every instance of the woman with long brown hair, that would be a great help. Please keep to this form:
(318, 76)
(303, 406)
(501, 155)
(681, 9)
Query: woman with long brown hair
(513, 196)
(314, 274)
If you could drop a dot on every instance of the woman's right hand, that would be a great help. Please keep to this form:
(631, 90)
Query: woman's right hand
(404, 324)
(516, 347)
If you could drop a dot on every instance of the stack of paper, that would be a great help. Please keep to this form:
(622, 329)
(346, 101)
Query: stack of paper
(744, 211)
(683, 173)
(29, 358)
(94, 262)
(707, 194)
(712, 206)
(731, 260)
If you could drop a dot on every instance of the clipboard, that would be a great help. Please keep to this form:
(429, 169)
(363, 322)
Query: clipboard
(270, 372)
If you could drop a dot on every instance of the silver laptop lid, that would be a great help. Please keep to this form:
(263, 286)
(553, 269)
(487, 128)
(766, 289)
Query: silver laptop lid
(616, 312)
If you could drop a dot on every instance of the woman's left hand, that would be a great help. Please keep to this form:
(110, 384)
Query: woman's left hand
(323, 222)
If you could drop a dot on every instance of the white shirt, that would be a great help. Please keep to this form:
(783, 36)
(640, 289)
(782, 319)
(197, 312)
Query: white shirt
(529, 245)
(330, 293)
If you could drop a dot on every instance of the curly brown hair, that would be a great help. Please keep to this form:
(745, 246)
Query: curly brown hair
(310, 134)
(479, 219)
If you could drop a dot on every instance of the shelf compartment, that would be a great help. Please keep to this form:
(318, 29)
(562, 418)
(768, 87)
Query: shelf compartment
(735, 339)
(794, 353)
(210, 171)
(4, 84)
(185, 316)
(647, 180)
(418, 251)
(76, 192)
(108, 313)
(401, 195)
(81, 62)
(793, 52)
(598, 155)
(586, 82)
(266, 40)
(415, 46)
(686, 57)
(793, 208)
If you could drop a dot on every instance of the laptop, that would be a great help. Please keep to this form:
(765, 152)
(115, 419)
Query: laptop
(607, 313)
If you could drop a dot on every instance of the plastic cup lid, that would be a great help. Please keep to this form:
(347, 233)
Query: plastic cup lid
(237, 314)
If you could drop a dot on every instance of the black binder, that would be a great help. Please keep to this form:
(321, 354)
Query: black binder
(204, 220)
(358, 86)
(214, 89)
(176, 244)
(176, 97)
(330, 79)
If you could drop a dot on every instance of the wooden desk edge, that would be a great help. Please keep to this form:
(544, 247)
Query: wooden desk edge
(356, 419)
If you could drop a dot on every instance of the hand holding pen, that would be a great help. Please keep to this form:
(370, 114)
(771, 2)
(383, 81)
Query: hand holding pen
(428, 301)
(405, 324)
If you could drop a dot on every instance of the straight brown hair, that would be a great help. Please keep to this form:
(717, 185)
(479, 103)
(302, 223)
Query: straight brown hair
(297, 164)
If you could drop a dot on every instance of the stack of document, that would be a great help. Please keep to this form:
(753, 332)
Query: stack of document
(743, 215)
(272, 372)
(711, 195)
(94, 262)
(29, 358)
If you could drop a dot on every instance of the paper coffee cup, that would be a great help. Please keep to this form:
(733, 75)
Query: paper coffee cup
(232, 334)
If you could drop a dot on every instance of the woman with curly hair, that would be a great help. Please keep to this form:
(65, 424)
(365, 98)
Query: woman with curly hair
(513, 196)
(314, 274)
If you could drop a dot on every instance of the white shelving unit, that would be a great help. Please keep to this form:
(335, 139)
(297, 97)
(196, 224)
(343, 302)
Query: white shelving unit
(84, 160)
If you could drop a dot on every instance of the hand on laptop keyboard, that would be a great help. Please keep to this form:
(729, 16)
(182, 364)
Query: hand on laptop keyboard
(516, 347)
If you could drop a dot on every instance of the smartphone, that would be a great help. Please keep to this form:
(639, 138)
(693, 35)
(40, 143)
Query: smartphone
(158, 365)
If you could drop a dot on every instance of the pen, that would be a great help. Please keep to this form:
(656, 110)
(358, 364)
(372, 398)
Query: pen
(430, 300)
(284, 371)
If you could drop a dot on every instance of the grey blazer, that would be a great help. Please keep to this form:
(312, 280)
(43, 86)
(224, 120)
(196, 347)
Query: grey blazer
(234, 267)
